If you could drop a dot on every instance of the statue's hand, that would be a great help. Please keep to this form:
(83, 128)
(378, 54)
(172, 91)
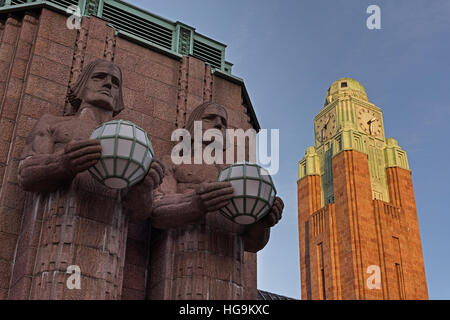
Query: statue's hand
(154, 176)
(81, 155)
(274, 215)
(211, 196)
(156, 173)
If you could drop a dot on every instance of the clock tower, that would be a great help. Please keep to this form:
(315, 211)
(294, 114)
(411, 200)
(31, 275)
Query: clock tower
(358, 228)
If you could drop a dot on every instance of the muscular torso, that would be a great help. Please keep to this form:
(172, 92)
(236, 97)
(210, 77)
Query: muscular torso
(52, 134)
(63, 130)
(189, 176)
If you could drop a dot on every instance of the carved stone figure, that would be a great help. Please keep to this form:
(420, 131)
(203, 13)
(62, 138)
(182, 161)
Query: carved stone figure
(83, 222)
(207, 249)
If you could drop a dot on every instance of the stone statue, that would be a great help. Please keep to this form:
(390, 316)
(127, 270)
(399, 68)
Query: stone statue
(83, 222)
(208, 248)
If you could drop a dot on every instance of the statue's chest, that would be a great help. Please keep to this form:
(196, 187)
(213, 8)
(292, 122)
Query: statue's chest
(70, 130)
(196, 174)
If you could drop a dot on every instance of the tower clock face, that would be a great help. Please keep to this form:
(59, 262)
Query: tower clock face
(326, 127)
(369, 122)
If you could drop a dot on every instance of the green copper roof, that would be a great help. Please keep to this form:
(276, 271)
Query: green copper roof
(172, 38)
(345, 86)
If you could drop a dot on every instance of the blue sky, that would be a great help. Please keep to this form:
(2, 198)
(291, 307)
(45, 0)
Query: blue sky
(289, 52)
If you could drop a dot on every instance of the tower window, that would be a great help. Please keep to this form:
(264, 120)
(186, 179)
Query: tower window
(321, 270)
(343, 84)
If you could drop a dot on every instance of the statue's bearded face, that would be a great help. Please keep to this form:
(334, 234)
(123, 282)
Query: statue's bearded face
(103, 86)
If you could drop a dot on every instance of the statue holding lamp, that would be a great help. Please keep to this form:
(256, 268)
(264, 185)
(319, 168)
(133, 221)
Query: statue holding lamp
(187, 208)
(84, 221)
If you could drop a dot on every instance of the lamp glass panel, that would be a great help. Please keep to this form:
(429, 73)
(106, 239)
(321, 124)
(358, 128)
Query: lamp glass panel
(265, 175)
(238, 186)
(231, 208)
(133, 182)
(263, 211)
(239, 202)
(252, 187)
(110, 130)
(237, 172)
(133, 166)
(107, 147)
(250, 202)
(226, 211)
(126, 131)
(94, 172)
(265, 191)
(96, 133)
(100, 168)
(258, 207)
(272, 196)
(137, 174)
(140, 136)
(251, 171)
(120, 166)
(264, 172)
(109, 164)
(223, 174)
(148, 159)
(139, 152)
(124, 147)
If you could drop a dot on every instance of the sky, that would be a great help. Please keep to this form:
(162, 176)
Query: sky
(289, 52)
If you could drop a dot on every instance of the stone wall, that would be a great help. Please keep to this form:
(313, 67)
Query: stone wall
(39, 58)
(346, 237)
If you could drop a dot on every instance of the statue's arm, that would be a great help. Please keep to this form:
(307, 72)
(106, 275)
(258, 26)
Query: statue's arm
(41, 169)
(172, 209)
(257, 235)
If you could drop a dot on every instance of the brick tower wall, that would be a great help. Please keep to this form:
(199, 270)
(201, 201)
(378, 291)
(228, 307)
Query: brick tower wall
(39, 58)
(345, 238)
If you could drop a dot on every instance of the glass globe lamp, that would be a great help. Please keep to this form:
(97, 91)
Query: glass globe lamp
(126, 154)
(254, 192)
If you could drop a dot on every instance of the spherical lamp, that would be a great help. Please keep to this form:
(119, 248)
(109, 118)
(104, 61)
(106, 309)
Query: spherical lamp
(126, 154)
(254, 192)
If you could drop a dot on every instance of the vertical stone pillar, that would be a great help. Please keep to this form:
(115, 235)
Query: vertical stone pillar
(18, 37)
(409, 247)
(355, 224)
(309, 201)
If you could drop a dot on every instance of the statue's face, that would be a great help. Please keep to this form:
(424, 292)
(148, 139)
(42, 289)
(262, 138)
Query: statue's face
(215, 117)
(103, 86)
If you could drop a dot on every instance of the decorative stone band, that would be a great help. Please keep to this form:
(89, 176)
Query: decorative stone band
(310, 164)
(394, 155)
